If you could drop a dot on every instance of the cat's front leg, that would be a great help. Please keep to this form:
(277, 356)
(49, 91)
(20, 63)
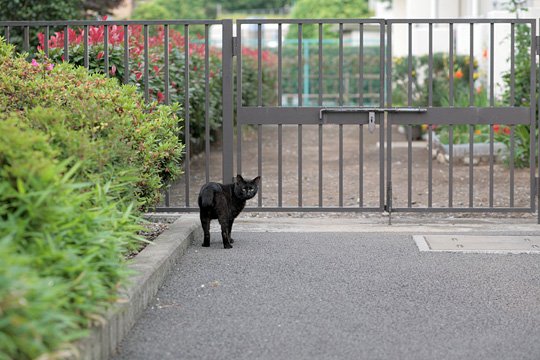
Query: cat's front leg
(205, 222)
(225, 233)
(230, 230)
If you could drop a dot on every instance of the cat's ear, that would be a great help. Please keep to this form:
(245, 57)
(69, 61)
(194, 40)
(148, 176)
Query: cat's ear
(257, 180)
(239, 178)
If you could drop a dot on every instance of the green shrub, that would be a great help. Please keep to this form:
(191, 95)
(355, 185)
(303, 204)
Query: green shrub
(62, 243)
(522, 95)
(94, 119)
(78, 152)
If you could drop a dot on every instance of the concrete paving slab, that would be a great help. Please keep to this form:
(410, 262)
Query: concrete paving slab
(413, 225)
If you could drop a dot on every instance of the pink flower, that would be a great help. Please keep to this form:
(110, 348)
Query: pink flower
(50, 67)
(100, 55)
(34, 62)
(113, 70)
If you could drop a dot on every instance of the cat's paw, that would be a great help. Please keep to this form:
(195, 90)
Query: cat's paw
(227, 246)
(231, 240)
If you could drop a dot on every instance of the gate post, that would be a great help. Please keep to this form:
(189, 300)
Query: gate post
(227, 104)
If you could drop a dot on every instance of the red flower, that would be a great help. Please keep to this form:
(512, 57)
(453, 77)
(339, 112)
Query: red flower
(496, 128)
(100, 55)
(160, 97)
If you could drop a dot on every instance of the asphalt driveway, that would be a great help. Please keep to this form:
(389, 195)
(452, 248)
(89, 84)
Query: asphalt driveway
(340, 296)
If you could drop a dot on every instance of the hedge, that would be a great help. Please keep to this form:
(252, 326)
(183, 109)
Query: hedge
(78, 155)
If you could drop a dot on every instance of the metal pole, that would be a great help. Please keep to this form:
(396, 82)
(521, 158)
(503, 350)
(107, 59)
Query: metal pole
(227, 90)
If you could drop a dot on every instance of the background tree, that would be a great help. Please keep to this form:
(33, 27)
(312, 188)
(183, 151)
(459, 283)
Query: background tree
(172, 9)
(55, 9)
(33, 10)
(30, 10)
(327, 9)
(234, 5)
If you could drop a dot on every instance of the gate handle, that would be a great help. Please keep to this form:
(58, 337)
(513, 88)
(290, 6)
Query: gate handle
(369, 110)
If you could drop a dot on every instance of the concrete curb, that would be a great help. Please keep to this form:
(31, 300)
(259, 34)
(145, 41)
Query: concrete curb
(150, 268)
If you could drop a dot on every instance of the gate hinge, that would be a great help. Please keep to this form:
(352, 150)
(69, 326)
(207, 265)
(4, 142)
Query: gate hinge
(234, 46)
(537, 45)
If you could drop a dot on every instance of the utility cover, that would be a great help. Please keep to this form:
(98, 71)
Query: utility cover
(479, 243)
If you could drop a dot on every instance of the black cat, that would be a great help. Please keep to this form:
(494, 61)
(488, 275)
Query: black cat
(224, 202)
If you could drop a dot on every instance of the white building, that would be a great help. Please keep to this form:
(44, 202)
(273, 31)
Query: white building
(446, 9)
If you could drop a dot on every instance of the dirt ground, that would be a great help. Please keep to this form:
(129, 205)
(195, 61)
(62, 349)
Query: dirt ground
(360, 190)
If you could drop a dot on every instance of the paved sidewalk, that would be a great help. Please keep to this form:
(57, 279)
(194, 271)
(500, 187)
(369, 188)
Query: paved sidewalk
(341, 295)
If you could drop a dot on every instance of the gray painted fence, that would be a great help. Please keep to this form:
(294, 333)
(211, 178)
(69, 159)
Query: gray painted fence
(300, 64)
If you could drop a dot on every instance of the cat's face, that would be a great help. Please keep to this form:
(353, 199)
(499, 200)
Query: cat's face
(245, 190)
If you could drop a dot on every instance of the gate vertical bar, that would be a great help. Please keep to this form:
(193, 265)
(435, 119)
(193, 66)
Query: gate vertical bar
(533, 120)
(430, 127)
(26, 43)
(187, 141)
(300, 102)
(471, 103)
(166, 81)
(85, 49)
(259, 103)
(46, 42)
(66, 41)
(280, 126)
(238, 94)
(451, 128)
(227, 91)
(512, 103)
(145, 74)
(340, 102)
(388, 200)
(492, 104)
(532, 162)
(206, 103)
(126, 54)
(409, 127)
(320, 102)
(106, 50)
(360, 126)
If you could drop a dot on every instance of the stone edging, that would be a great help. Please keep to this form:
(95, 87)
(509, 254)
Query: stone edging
(150, 268)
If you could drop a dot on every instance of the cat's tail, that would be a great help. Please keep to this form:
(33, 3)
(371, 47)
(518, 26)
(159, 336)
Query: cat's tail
(206, 196)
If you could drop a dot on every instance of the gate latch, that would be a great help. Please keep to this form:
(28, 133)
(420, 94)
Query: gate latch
(371, 122)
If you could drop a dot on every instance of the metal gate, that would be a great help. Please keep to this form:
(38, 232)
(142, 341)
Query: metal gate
(471, 106)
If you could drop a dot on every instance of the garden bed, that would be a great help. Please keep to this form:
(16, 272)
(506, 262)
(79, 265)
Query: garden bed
(460, 152)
